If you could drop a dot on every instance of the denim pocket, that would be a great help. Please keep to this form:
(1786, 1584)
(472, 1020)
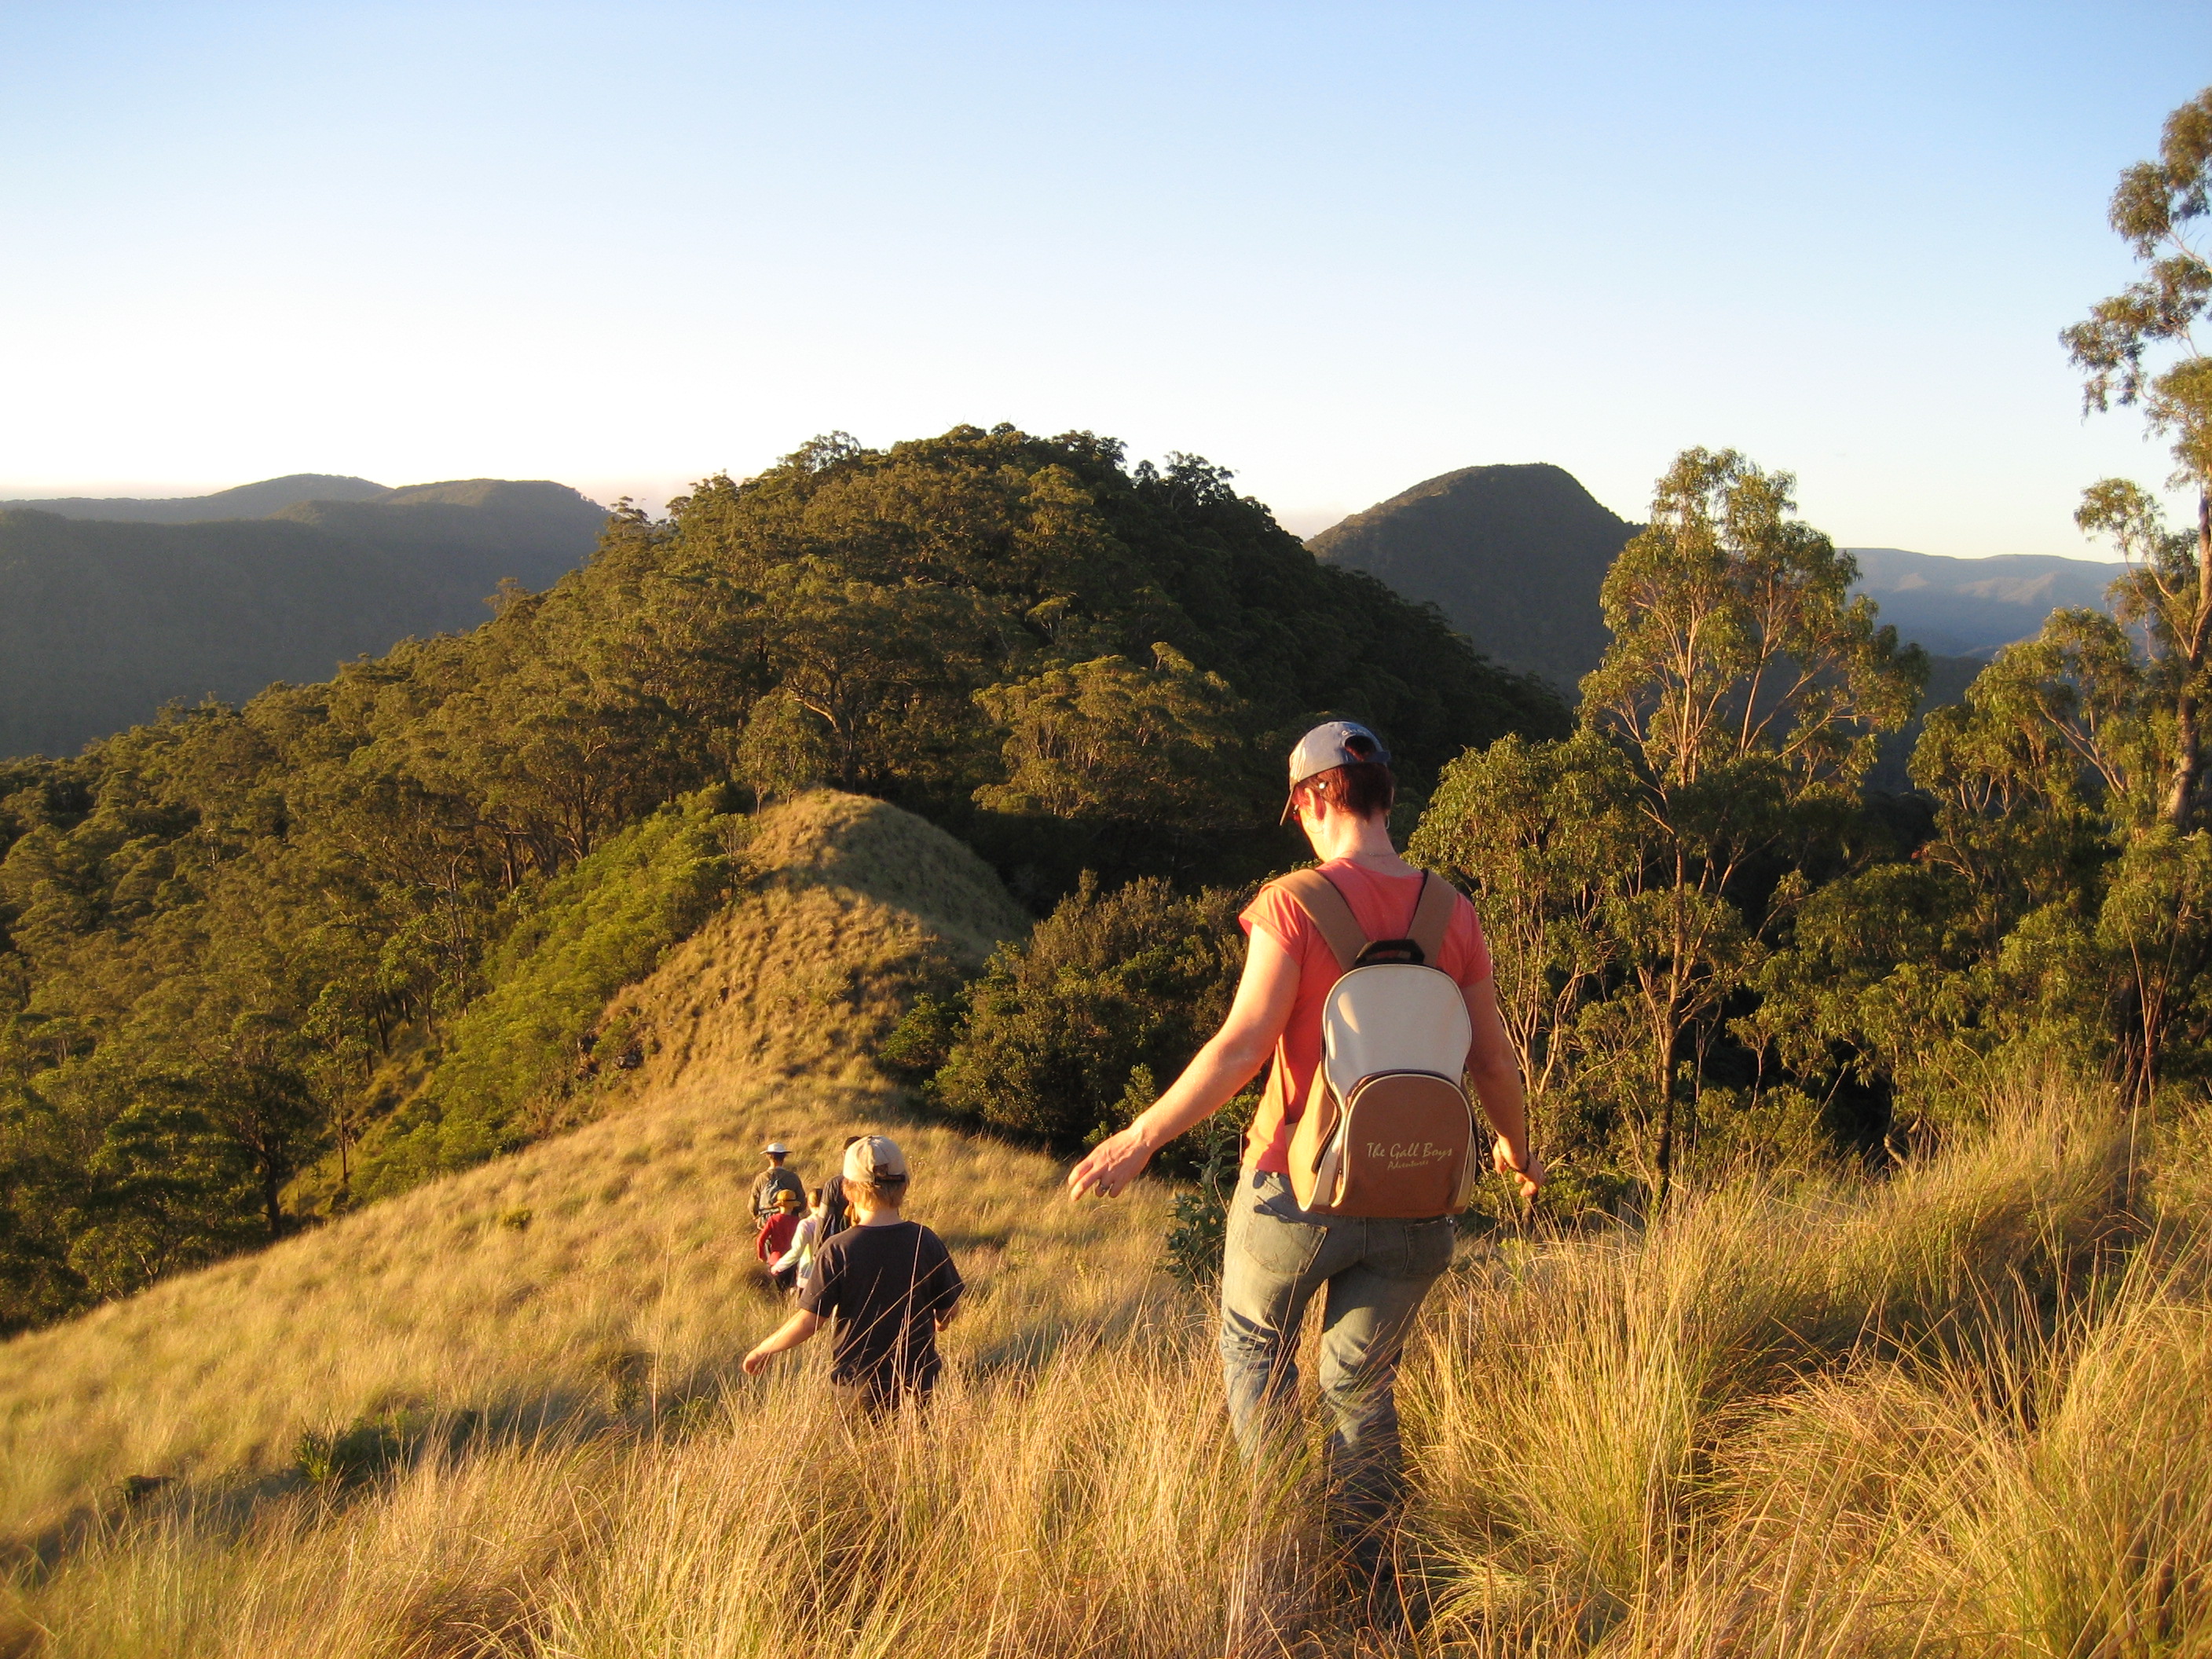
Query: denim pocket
(1430, 1245)
(1272, 1195)
(1271, 1238)
(1410, 1249)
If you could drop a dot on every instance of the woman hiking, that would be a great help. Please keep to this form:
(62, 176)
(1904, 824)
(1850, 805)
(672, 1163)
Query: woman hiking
(1372, 1273)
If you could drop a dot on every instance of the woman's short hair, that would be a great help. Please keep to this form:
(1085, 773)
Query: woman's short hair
(1364, 788)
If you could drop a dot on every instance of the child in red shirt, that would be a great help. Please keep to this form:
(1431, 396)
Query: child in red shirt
(773, 1239)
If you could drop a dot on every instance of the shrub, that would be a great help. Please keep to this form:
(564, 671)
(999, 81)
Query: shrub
(336, 1458)
(1057, 1029)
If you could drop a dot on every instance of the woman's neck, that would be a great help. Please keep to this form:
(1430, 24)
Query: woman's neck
(1365, 842)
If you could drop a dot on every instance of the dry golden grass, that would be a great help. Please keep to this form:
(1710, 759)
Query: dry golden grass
(1820, 1419)
(634, 1275)
(1965, 1410)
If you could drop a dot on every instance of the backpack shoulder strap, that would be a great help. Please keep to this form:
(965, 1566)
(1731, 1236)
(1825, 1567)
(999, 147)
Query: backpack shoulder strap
(1432, 916)
(1317, 895)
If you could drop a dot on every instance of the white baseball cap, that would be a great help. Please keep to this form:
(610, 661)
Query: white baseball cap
(1338, 743)
(874, 1159)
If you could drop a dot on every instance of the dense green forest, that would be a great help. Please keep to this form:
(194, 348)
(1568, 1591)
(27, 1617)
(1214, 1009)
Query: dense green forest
(1713, 942)
(274, 958)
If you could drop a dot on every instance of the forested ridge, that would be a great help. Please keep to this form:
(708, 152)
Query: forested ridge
(249, 500)
(264, 960)
(1514, 556)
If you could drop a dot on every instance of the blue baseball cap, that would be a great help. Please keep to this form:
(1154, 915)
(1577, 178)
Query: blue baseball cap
(1338, 742)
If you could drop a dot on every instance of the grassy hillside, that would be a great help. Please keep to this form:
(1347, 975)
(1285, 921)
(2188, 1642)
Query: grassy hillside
(853, 909)
(1959, 1411)
(846, 908)
(552, 1281)
(103, 621)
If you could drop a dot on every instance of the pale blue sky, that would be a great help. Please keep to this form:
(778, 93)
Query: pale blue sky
(1336, 248)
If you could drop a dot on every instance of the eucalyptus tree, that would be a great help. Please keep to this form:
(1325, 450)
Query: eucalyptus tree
(2140, 347)
(1913, 976)
(1633, 874)
(1135, 753)
(2071, 783)
(1546, 836)
(1750, 687)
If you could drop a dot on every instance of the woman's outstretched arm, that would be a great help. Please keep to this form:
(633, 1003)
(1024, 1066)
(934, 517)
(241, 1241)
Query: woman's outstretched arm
(1230, 1059)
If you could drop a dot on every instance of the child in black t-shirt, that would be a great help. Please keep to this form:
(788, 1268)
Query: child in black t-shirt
(891, 1283)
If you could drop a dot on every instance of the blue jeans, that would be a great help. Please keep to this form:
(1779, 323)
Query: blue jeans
(1376, 1273)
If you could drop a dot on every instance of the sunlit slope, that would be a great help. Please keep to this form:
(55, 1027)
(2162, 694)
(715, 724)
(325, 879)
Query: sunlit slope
(612, 1265)
(845, 908)
(856, 905)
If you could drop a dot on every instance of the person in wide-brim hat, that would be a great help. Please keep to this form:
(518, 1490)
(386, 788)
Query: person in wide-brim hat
(776, 1178)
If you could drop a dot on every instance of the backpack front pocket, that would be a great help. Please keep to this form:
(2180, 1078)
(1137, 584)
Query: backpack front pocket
(1402, 1147)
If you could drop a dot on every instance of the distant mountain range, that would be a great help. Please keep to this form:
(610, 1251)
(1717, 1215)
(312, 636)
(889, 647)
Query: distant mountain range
(108, 609)
(1515, 557)
(1969, 607)
(253, 501)
(111, 607)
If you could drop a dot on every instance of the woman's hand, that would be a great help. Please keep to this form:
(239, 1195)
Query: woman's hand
(1527, 1172)
(1223, 1065)
(1113, 1163)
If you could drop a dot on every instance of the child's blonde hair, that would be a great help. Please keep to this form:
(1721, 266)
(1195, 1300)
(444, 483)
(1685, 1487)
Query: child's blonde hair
(877, 1194)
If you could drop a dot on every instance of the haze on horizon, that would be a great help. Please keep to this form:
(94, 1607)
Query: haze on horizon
(1338, 252)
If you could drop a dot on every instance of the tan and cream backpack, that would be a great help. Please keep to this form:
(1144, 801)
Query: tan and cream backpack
(1388, 1130)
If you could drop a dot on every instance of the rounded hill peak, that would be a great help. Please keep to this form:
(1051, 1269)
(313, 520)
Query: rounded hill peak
(1512, 554)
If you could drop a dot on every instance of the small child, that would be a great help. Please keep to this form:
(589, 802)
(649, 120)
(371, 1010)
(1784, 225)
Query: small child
(796, 1267)
(891, 1283)
(776, 1234)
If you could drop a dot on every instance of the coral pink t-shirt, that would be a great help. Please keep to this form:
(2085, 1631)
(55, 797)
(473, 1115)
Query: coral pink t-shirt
(1383, 906)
